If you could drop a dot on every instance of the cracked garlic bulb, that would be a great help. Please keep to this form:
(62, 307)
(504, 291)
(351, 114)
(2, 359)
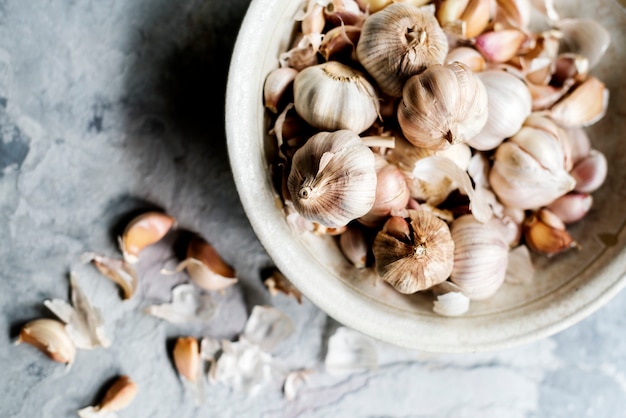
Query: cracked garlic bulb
(333, 178)
(444, 105)
(414, 254)
(400, 41)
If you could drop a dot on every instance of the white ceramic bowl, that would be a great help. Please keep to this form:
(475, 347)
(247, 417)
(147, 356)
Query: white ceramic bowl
(566, 288)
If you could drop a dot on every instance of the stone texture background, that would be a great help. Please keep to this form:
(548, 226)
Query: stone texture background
(106, 109)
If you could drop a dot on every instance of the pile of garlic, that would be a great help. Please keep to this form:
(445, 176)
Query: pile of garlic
(437, 140)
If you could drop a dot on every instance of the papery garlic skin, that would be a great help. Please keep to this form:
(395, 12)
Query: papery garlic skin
(399, 41)
(414, 254)
(333, 178)
(444, 105)
(528, 170)
(449, 299)
(333, 96)
(509, 104)
(480, 257)
(354, 246)
(277, 82)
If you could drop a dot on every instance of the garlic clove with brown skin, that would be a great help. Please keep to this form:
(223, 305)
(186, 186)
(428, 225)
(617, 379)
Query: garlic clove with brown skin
(414, 254)
(480, 257)
(333, 178)
(117, 397)
(392, 193)
(333, 96)
(545, 233)
(206, 267)
(400, 41)
(528, 169)
(509, 104)
(51, 337)
(444, 105)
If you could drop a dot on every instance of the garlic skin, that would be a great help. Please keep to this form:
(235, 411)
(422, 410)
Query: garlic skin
(51, 337)
(333, 178)
(509, 104)
(414, 254)
(528, 170)
(333, 96)
(444, 105)
(586, 37)
(480, 257)
(400, 41)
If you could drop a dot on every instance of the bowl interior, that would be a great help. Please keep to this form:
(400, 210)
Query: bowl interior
(565, 289)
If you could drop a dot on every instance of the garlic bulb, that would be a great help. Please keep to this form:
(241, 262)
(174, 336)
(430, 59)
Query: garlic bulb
(414, 254)
(400, 41)
(528, 170)
(333, 96)
(509, 104)
(480, 257)
(444, 105)
(333, 178)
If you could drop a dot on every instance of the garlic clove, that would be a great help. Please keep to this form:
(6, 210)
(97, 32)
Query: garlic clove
(51, 337)
(277, 83)
(399, 41)
(590, 172)
(449, 299)
(509, 104)
(313, 20)
(450, 10)
(392, 193)
(579, 143)
(333, 96)
(276, 283)
(340, 43)
(480, 257)
(515, 13)
(419, 263)
(468, 56)
(343, 12)
(373, 6)
(442, 106)
(118, 270)
(333, 178)
(568, 69)
(186, 356)
(206, 267)
(571, 207)
(354, 246)
(500, 46)
(460, 154)
(143, 231)
(545, 233)
(583, 106)
(304, 54)
(476, 17)
(586, 37)
(117, 397)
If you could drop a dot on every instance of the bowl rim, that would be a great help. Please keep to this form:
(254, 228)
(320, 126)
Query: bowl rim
(339, 300)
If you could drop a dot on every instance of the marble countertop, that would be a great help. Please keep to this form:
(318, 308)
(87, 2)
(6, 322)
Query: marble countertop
(111, 107)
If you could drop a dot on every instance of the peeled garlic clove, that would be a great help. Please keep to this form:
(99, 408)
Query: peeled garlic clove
(186, 356)
(354, 246)
(51, 337)
(586, 37)
(476, 17)
(590, 172)
(500, 46)
(333, 178)
(399, 41)
(442, 106)
(545, 233)
(509, 104)
(449, 299)
(480, 257)
(333, 96)
(144, 230)
(206, 267)
(571, 207)
(583, 106)
(277, 82)
(528, 170)
(466, 55)
(392, 193)
(419, 262)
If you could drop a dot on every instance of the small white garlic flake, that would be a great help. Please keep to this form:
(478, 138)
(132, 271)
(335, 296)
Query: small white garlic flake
(349, 352)
(267, 327)
(83, 322)
(188, 305)
(449, 300)
(243, 367)
(294, 381)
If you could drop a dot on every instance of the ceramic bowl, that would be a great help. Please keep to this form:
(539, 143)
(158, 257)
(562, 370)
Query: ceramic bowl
(565, 289)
